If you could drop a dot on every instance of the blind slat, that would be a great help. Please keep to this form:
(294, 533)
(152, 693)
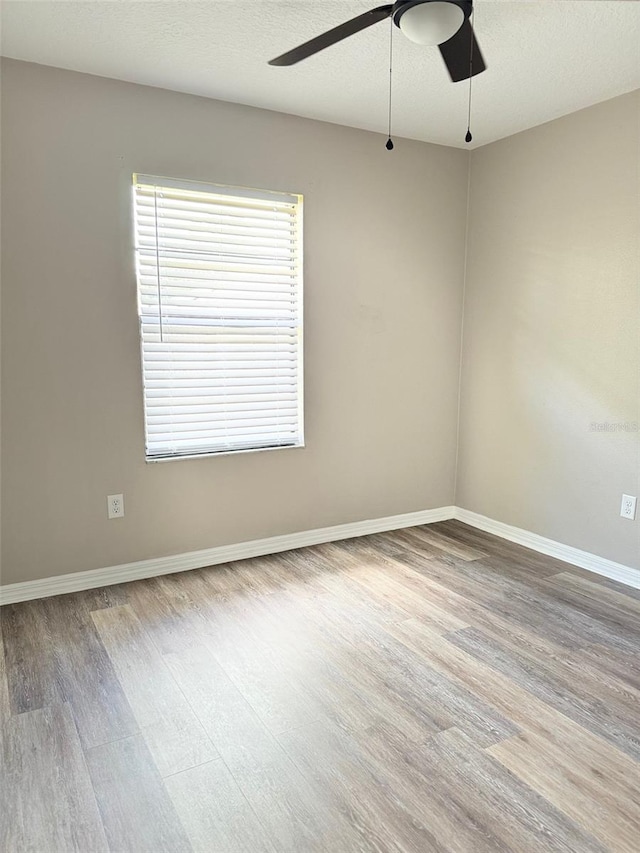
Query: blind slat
(212, 403)
(193, 419)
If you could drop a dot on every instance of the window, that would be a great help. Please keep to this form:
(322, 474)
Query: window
(220, 304)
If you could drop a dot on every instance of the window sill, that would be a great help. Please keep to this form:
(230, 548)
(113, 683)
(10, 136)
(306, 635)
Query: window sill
(152, 460)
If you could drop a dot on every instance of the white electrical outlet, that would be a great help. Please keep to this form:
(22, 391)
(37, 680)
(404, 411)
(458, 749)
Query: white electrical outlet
(628, 508)
(115, 506)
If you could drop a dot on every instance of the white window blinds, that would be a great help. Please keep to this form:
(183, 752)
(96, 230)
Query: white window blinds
(220, 303)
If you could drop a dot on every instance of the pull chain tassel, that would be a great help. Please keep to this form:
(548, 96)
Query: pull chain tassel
(468, 137)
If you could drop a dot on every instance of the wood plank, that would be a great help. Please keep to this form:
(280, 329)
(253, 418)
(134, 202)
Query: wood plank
(618, 699)
(502, 550)
(517, 704)
(100, 598)
(482, 582)
(30, 657)
(54, 655)
(5, 705)
(346, 684)
(607, 583)
(386, 594)
(534, 603)
(171, 730)
(383, 585)
(394, 798)
(623, 666)
(596, 595)
(270, 574)
(84, 674)
(606, 708)
(382, 544)
(518, 816)
(292, 815)
(162, 610)
(303, 569)
(615, 670)
(388, 815)
(137, 812)
(215, 814)
(588, 794)
(356, 685)
(428, 534)
(48, 803)
(253, 667)
(382, 667)
(359, 675)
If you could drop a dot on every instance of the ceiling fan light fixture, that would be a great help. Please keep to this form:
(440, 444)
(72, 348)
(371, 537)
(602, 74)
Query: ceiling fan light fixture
(431, 22)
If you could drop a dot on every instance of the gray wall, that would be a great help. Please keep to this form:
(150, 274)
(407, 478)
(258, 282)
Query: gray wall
(551, 326)
(384, 255)
(552, 331)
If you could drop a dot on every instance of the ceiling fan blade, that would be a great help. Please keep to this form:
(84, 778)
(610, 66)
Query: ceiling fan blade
(333, 36)
(457, 54)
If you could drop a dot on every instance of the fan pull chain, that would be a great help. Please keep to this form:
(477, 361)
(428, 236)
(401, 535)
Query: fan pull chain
(468, 137)
(389, 143)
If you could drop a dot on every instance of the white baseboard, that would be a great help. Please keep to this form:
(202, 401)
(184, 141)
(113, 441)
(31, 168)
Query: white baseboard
(76, 581)
(574, 556)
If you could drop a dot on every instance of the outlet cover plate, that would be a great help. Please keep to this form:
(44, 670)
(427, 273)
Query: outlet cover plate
(628, 508)
(115, 506)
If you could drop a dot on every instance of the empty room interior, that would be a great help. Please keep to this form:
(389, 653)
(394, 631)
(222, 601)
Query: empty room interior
(320, 426)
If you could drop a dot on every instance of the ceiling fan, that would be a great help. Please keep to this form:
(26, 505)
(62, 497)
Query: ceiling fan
(428, 22)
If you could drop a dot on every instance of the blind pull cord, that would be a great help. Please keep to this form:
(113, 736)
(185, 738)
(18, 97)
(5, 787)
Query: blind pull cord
(155, 217)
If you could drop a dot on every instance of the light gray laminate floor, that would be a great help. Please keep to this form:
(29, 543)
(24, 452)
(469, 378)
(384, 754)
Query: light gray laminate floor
(431, 689)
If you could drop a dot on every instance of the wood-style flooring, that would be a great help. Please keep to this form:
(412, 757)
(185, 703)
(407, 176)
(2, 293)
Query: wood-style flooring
(428, 690)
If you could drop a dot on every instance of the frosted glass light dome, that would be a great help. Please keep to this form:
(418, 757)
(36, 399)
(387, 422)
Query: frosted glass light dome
(431, 23)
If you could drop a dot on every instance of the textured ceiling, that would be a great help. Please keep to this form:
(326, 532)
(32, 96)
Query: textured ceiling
(545, 58)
